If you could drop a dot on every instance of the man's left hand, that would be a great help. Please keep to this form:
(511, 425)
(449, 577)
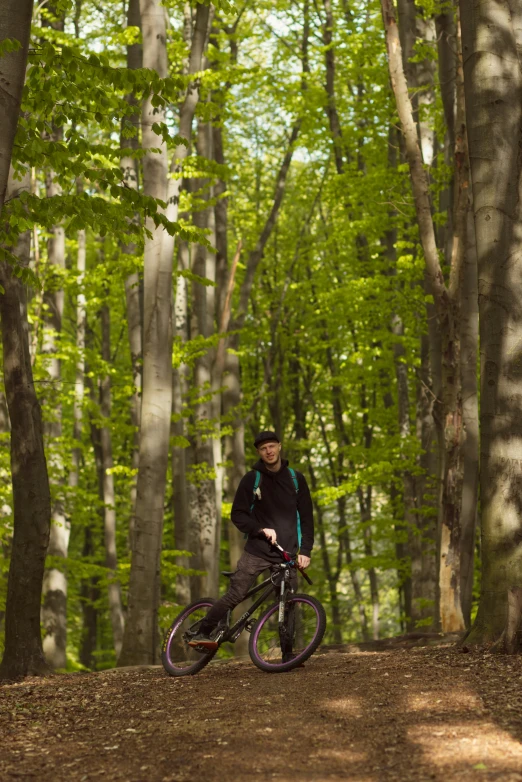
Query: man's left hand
(303, 562)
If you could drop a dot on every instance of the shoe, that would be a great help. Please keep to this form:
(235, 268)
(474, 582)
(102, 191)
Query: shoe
(203, 640)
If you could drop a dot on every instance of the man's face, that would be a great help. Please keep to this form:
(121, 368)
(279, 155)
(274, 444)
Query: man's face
(269, 452)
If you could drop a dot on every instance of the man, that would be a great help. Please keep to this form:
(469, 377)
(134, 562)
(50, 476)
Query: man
(271, 504)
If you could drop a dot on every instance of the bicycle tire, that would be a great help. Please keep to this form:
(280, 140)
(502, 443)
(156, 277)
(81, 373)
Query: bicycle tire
(259, 656)
(174, 636)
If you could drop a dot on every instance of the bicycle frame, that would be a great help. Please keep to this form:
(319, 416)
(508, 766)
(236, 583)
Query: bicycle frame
(231, 634)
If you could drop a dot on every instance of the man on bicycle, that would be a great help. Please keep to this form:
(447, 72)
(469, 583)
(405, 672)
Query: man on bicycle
(272, 503)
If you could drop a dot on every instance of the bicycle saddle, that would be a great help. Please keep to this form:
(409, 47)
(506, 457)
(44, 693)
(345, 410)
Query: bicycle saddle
(227, 573)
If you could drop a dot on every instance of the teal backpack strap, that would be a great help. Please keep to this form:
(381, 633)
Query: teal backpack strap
(296, 484)
(254, 495)
(256, 487)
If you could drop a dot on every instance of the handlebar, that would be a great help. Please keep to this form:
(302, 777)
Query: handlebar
(289, 558)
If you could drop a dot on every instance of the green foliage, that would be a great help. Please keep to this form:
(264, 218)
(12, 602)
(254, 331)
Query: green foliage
(319, 352)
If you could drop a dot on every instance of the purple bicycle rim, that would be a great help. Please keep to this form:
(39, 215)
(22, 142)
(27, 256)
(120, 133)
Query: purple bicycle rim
(267, 617)
(173, 633)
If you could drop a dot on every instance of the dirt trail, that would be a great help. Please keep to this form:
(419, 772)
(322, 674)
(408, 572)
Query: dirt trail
(417, 714)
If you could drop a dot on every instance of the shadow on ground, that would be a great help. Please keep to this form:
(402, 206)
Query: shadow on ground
(398, 715)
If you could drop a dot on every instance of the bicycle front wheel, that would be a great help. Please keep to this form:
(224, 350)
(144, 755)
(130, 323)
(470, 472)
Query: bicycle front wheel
(178, 658)
(276, 647)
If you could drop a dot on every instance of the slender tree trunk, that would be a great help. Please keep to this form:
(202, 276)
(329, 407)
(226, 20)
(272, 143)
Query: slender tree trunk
(236, 465)
(447, 307)
(354, 574)
(493, 83)
(180, 452)
(79, 384)
(365, 507)
(15, 23)
(54, 604)
(140, 640)
(186, 117)
(424, 549)
(470, 420)
(109, 496)
(54, 607)
(332, 576)
(203, 324)
(133, 285)
(89, 593)
(23, 653)
(331, 106)
(5, 550)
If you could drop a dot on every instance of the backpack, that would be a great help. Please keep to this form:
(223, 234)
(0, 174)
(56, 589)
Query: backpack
(257, 493)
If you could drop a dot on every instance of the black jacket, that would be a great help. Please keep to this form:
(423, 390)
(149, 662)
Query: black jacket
(276, 509)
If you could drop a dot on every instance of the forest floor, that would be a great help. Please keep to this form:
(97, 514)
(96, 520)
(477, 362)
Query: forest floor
(398, 714)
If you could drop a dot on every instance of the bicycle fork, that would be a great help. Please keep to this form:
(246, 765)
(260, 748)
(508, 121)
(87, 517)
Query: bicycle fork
(282, 602)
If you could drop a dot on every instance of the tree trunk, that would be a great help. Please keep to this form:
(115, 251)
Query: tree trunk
(186, 117)
(23, 653)
(54, 607)
(354, 575)
(236, 467)
(89, 593)
(332, 576)
(470, 445)
(109, 497)
(79, 385)
(331, 107)
(140, 641)
(493, 84)
(447, 307)
(180, 453)
(133, 287)
(206, 515)
(365, 507)
(15, 23)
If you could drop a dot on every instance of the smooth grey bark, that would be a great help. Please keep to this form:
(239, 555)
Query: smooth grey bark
(140, 644)
(54, 606)
(23, 653)
(140, 641)
(186, 495)
(186, 117)
(180, 454)
(428, 484)
(206, 516)
(15, 23)
(235, 459)
(469, 330)
(109, 495)
(133, 288)
(492, 45)
(79, 384)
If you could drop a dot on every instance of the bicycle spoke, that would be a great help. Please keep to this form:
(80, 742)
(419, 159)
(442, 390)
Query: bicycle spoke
(178, 657)
(276, 645)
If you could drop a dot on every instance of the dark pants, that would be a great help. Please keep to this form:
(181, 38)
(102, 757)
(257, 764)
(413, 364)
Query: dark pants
(248, 569)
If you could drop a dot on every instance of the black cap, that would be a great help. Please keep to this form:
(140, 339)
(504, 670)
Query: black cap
(264, 437)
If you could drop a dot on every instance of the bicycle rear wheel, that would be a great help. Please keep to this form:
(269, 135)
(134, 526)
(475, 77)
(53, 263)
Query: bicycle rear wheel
(178, 658)
(276, 649)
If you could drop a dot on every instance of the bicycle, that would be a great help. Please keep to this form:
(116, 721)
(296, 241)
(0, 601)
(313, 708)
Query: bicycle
(282, 638)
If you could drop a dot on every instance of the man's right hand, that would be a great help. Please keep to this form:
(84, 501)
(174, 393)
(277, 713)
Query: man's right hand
(270, 534)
